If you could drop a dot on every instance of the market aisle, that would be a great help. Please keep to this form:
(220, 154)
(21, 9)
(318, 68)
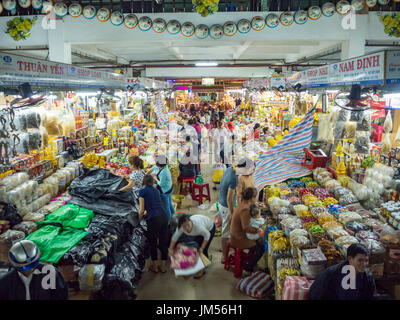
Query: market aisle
(217, 284)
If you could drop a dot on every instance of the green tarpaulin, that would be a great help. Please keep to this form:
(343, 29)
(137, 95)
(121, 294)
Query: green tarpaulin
(60, 231)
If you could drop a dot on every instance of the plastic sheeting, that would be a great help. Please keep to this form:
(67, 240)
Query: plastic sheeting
(9, 212)
(121, 281)
(97, 190)
(115, 228)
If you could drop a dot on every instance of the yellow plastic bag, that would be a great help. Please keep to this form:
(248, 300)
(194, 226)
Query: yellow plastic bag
(217, 175)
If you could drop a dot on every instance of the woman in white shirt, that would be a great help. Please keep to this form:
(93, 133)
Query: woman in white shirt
(202, 227)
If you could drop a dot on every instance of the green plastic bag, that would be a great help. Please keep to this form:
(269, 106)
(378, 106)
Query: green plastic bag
(70, 215)
(54, 241)
(199, 179)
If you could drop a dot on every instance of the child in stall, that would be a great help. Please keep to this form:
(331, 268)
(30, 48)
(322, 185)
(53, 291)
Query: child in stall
(256, 221)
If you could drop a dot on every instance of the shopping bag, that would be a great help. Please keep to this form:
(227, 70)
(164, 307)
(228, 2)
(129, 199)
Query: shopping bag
(257, 285)
(296, 288)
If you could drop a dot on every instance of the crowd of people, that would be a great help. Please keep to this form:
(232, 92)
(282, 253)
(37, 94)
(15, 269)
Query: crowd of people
(202, 129)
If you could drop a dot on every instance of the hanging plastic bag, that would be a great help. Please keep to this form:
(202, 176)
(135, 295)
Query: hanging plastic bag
(350, 130)
(323, 126)
(386, 145)
(362, 141)
(388, 124)
(53, 125)
(338, 131)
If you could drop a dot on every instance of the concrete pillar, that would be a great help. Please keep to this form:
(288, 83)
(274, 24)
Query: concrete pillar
(59, 51)
(357, 28)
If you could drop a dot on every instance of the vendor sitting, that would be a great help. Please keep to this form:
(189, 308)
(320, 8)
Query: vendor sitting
(349, 280)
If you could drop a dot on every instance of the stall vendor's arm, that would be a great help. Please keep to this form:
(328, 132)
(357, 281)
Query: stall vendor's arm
(245, 222)
(129, 186)
(175, 237)
(206, 237)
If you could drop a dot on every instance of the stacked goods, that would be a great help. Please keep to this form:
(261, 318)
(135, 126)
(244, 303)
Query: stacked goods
(329, 217)
(313, 261)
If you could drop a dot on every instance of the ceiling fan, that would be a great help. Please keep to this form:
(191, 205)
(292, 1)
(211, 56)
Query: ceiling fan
(356, 100)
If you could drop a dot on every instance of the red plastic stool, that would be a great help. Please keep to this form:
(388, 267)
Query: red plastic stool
(186, 180)
(201, 195)
(236, 260)
(314, 158)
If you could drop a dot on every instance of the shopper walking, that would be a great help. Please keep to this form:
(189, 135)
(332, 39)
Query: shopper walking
(157, 223)
(329, 283)
(24, 280)
(164, 183)
(241, 225)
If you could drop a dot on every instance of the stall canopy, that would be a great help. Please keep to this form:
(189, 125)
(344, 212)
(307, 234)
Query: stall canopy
(15, 70)
(283, 161)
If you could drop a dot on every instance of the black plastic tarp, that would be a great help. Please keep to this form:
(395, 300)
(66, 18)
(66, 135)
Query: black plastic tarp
(104, 233)
(122, 279)
(97, 190)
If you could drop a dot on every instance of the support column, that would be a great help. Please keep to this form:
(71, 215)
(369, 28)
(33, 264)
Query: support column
(357, 27)
(59, 51)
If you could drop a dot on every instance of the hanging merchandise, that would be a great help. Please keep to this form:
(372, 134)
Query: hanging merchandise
(388, 124)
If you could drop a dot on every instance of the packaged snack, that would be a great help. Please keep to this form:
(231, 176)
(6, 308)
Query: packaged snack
(350, 130)
(376, 249)
(363, 235)
(347, 217)
(388, 124)
(313, 256)
(346, 241)
(35, 217)
(337, 232)
(26, 227)
(355, 226)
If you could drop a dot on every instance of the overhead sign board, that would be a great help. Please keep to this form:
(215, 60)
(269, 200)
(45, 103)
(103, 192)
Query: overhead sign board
(392, 67)
(207, 81)
(15, 69)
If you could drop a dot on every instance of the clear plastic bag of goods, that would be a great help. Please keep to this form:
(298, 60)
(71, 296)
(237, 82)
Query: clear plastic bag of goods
(284, 210)
(356, 226)
(53, 124)
(26, 227)
(45, 137)
(12, 181)
(300, 242)
(350, 130)
(323, 126)
(68, 123)
(375, 224)
(91, 277)
(362, 141)
(318, 210)
(346, 241)
(386, 144)
(35, 140)
(388, 124)
(366, 234)
(331, 225)
(339, 130)
(7, 240)
(343, 115)
(347, 199)
(20, 121)
(52, 206)
(337, 232)
(311, 271)
(347, 217)
(113, 124)
(291, 223)
(298, 233)
(23, 146)
(364, 123)
(355, 116)
(33, 216)
(376, 249)
(33, 119)
(300, 209)
(25, 210)
(330, 184)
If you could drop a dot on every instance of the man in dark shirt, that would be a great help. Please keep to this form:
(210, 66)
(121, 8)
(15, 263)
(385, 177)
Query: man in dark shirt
(28, 279)
(349, 280)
